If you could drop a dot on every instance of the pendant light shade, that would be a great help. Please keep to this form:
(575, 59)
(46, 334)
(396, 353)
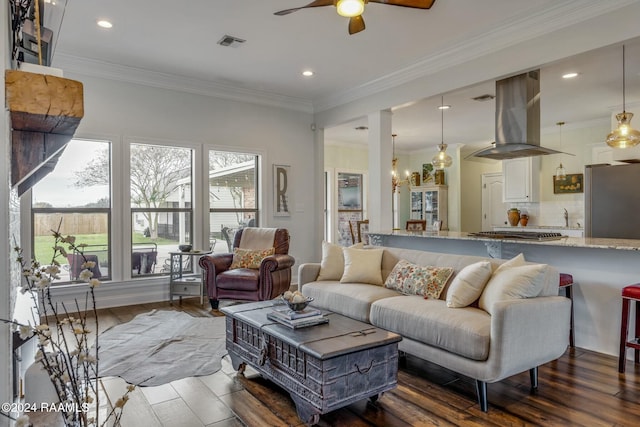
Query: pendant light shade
(624, 135)
(442, 159)
(561, 173)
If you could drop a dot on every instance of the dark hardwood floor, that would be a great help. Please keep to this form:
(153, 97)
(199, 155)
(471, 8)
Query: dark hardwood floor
(582, 388)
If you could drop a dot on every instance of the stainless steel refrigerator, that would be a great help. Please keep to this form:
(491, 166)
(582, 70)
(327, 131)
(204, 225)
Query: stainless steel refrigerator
(612, 201)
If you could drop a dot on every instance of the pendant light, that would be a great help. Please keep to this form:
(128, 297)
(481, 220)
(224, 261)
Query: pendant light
(624, 135)
(396, 182)
(561, 173)
(442, 159)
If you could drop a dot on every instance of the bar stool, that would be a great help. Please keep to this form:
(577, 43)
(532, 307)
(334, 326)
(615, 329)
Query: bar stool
(629, 293)
(566, 283)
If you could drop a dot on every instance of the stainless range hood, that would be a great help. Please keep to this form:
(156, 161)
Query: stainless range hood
(517, 119)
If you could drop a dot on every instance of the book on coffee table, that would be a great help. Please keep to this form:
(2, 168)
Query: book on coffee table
(292, 315)
(303, 322)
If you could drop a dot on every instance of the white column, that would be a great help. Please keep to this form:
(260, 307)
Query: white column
(380, 157)
(319, 193)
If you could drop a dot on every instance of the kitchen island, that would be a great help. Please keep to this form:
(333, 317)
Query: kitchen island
(600, 268)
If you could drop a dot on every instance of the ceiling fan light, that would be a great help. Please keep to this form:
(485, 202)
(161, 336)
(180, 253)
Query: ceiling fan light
(350, 8)
(624, 135)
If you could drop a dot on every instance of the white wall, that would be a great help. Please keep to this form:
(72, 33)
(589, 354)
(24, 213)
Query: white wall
(120, 111)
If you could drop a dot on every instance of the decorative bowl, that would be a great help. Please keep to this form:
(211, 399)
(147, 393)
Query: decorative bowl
(297, 306)
(185, 248)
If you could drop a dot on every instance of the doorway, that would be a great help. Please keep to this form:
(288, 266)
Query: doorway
(493, 208)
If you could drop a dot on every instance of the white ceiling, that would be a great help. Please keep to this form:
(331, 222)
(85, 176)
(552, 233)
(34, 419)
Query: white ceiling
(177, 40)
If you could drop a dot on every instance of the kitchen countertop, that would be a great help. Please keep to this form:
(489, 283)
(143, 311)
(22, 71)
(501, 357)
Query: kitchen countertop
(581, 242)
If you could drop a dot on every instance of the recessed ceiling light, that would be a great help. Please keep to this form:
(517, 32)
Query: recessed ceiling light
(444, 107)
(104, 23)
(569, 75)
(307, 73)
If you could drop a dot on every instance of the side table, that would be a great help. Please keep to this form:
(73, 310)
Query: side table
(184, 280)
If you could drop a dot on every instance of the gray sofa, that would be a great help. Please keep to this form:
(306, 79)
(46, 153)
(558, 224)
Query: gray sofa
(520, 335)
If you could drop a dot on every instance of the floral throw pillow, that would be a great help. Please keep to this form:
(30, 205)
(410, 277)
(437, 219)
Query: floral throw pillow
(412, 279)
(249, 258)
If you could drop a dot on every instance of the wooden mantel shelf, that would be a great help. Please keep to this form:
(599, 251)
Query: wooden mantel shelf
(45, 112)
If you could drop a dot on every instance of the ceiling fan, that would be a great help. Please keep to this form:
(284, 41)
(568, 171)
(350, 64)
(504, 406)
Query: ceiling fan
(353, 9)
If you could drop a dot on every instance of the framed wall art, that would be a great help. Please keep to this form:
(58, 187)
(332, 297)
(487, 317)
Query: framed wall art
(281, 200)
(573, 183)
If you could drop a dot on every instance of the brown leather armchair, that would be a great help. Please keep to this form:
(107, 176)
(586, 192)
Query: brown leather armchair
(270, 280)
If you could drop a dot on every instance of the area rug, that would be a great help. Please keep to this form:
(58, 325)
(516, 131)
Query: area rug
(158, 347)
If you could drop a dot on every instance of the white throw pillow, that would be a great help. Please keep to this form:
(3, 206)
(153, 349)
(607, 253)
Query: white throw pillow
(516, 261)
(332, 264)
(525, 281)
(362, 266)
(468, 284)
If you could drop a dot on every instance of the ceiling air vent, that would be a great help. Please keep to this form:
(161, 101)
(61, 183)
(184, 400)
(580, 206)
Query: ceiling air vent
(230, 41)
(483, 98)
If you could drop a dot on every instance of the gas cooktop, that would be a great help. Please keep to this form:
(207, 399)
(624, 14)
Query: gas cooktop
(524, 235)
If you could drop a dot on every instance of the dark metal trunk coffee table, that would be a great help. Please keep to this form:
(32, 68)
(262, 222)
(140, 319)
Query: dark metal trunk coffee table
(323, 367)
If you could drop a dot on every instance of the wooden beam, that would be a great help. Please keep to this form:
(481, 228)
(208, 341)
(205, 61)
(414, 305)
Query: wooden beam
(43, 103)
(45, 112)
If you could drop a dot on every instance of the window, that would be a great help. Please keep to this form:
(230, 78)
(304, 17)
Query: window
(161, 205)
(233, 196)
(75, 198)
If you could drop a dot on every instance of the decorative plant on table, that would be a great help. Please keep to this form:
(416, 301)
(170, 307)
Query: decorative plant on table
(63, 350)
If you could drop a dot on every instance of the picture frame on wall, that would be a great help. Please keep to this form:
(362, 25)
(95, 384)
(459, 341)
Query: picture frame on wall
(427, 172)
(573, 183)
(281, 199)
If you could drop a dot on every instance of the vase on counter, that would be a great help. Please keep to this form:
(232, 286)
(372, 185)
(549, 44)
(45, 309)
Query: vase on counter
(524, 219)
(513, 215)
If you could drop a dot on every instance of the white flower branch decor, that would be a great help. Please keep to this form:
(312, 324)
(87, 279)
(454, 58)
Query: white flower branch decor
(63, 350)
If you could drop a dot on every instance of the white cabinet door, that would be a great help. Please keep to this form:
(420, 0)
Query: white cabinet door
(521, 179)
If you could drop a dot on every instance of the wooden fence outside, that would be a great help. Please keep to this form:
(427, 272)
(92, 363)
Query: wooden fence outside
(74, 223)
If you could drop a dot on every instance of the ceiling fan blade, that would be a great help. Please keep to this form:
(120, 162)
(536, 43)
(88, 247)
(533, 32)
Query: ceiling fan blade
(317, 3)
(418, 4)
(356, 24)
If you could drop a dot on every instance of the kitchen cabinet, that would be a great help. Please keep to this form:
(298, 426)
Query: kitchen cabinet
(430, 202)
(521, 179)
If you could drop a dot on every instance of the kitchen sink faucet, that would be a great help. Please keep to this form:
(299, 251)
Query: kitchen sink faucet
(566, 218)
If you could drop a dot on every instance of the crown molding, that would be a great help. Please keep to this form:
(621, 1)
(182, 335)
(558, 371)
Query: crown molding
(519, 29)
(106, 70)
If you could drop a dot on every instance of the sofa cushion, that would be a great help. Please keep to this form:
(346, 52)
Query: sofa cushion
(525, 281)
(411, 279)
(240, 279)
(249, 258)
(466, 332)
(332, 264)
(362, 266)
(468, 284)
(391, 257)
(516, 261)
(349, 299)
